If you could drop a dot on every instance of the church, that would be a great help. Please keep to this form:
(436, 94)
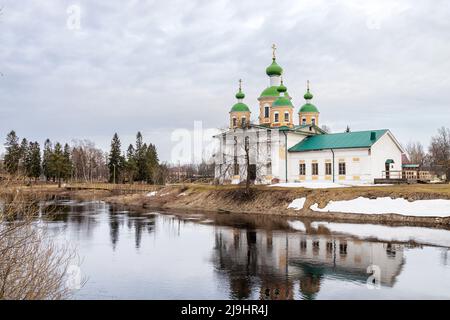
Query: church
(287, 144)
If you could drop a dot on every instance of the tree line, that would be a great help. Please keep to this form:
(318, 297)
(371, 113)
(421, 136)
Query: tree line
(82, 161)
(139, 163)
(437, 157)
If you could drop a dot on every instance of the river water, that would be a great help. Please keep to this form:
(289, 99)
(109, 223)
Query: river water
(154, 255)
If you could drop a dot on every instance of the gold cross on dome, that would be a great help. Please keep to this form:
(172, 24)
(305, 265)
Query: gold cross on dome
(240, 84)
(274, 48)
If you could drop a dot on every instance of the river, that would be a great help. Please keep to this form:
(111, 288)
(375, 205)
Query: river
(155, 255)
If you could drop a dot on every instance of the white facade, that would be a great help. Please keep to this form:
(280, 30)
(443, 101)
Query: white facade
(271, 161)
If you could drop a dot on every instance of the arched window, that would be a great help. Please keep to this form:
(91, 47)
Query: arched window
(234, 122)
(266, 111)
(286, 116)
(244, 121)
(276, 117)
(303, 121)
(313, 121)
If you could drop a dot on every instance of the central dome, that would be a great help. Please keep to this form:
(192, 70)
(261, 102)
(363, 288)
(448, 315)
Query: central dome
(274, 69)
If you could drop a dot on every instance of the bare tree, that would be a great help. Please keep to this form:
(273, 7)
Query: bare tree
(32, 266)
(416, 153)
(440, 152)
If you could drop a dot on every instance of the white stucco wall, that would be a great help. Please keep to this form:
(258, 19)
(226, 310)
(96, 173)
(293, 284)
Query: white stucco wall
(357, 162)
(385, 148)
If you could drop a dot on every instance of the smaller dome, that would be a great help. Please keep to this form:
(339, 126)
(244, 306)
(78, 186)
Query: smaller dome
(308, 107)
(308, 95)
(240, 95)
(281, 88)
(240, 107)
(274, 69)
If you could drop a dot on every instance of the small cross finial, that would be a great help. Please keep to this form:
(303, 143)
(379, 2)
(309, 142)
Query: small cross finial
(307, 85)
(281, 80)
(240, 84)
(274, 48)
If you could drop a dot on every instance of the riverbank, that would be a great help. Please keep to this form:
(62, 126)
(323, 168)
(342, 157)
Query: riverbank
(296, 202)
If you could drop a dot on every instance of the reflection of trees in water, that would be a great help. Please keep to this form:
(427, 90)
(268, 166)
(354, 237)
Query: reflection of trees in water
(269, 263)
(134, 221)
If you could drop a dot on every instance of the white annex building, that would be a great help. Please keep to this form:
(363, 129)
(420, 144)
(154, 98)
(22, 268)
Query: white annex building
(284, 148)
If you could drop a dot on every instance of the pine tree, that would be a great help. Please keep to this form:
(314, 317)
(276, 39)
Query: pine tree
(68, 166)
(140, 156)
(57, 163)
(46, 161)
(23, 153)
(32, 162)
(152, 163)
(130, 164)
(115, 160)
(12, 156)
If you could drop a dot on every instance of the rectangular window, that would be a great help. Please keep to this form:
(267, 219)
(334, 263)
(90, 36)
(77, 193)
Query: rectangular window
(276, 117)
(327, 169)
(342, 168)
(302, 169)
(315, 169)
(286, 117)
(266, 112)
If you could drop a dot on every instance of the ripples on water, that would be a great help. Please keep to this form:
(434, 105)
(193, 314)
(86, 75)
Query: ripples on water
(149, 255)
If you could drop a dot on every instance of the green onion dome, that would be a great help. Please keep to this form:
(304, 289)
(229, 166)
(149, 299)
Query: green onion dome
(240, 107)
(308, 107)
(240, 95)
(281, 88)
(308, 95)
(274, 69)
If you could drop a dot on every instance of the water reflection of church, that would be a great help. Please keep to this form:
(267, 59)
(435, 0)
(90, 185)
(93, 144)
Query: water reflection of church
(270, 265)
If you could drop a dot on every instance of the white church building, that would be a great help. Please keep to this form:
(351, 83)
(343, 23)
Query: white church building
(280, 148)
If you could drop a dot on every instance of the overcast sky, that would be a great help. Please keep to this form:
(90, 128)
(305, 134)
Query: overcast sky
(156, 66)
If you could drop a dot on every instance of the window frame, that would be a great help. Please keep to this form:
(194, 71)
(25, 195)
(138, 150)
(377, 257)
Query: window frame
(314, 169)
(328, 169)
(302, 169)
(276, 117)
(342, 168)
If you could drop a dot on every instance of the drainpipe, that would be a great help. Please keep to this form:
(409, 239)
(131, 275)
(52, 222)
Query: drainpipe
(332, 169)
(285, 155)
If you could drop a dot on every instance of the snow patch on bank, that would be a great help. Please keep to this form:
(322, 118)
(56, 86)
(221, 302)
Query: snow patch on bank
(297, 225)
(430, 236)
(151, 194)
(297, 204)
(385, 205)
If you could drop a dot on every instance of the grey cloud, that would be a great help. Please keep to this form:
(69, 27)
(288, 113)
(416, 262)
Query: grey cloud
(156, 66)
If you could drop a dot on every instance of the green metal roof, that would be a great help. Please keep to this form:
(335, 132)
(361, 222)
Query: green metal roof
(308, 107)
(360, 139)
(282, 102)
(240, 107)
(270, 92)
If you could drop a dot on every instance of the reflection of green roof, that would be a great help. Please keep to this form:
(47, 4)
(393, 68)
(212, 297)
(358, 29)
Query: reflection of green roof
(360, 139)
(308, 107)
(282, 102)
(240, 107)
